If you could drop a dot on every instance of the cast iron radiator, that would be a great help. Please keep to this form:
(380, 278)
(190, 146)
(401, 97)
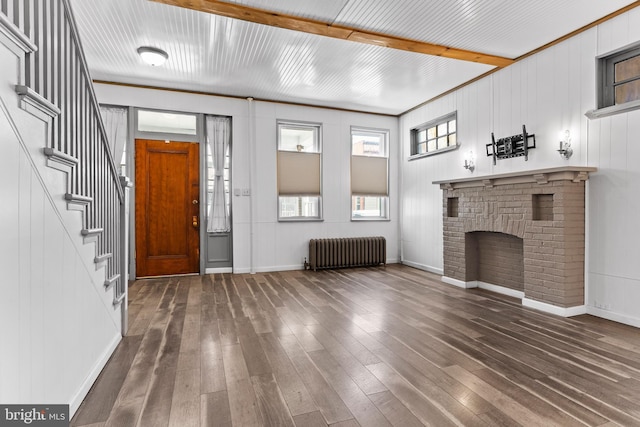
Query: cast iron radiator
(346, 252)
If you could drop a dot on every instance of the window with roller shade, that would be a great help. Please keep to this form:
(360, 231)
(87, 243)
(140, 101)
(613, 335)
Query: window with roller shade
(369, 174)
(299, 171)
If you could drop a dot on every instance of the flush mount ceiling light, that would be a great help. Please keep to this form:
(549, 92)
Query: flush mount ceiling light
(153, 56)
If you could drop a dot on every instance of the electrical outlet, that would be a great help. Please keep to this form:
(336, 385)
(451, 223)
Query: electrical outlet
(246, 191)
(236, 192)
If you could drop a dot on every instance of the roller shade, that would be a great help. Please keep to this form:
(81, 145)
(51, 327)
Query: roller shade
(369, 176)
(298, 173)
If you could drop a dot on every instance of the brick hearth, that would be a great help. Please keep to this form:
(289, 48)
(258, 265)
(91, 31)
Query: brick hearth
(521, 231)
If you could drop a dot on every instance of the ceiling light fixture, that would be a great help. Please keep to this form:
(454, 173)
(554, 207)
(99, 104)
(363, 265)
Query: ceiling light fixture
(152, 55)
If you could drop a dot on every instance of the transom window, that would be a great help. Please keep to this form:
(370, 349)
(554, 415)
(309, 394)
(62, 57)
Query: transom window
(163, 122)
(620, 78)
(435, 136)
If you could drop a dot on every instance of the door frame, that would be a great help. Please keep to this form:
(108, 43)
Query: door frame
(205, 236)
(131, 173)
(199, 137)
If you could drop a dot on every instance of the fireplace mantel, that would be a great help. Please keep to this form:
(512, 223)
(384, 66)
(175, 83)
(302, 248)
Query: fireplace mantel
(540, 176)
(520, 233)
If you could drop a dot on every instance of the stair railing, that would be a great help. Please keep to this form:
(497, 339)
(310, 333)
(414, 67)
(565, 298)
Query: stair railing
(58, 86)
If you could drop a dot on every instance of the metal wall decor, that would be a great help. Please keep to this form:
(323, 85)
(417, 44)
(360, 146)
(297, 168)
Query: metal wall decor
(511, 146)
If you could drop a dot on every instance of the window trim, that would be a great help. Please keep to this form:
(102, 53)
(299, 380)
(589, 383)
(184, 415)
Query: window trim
(318, 150)
(300, 125)
(384, 199)
(603, 67)
(433, 123)
(172, 136)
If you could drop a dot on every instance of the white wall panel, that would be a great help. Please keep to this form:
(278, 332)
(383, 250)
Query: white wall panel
(547, 92)
(10, 258)
(281, 245)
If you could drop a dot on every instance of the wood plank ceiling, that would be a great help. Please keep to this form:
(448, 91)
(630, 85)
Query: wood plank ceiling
(367, 55)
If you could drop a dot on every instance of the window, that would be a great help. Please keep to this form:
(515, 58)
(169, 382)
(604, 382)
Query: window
(620, 78)
(369, 174)
(435, 136)
(299, 166)
(174, 123)
(218, 137)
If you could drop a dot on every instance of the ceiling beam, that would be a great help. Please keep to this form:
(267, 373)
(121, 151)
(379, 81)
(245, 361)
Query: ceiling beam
(289, 22)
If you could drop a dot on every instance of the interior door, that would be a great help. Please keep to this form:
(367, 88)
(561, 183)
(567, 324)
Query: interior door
(167, 208)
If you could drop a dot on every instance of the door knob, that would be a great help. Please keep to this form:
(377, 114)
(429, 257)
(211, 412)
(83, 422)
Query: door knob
(194, 201)
(195, 221)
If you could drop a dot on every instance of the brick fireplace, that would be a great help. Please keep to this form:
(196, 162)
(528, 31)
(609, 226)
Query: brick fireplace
(522, 234)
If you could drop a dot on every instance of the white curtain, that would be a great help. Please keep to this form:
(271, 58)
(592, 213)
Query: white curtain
(218, 139)
(115, 125)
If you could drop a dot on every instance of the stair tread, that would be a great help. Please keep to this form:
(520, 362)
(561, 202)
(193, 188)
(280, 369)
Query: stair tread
(90, 231)
(103, 257)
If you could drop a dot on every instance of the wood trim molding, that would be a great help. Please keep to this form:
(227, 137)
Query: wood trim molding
(306, 25)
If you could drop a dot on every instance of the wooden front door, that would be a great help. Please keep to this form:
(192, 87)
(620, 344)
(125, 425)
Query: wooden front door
(167, 208)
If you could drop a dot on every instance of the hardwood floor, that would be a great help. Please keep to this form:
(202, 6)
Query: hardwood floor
(358, 347)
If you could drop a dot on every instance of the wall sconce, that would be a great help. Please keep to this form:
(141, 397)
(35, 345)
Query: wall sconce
(565, 145)
(469, 163)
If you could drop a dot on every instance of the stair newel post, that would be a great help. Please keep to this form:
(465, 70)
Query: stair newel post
(121, 293)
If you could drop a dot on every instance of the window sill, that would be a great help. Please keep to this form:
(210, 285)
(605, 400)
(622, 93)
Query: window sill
(370, 219)
(433, 153)
(614, 109)
(300, 219)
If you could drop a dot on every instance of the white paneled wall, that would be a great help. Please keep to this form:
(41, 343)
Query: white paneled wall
(548, 92)
(280, 245)
(57, 322)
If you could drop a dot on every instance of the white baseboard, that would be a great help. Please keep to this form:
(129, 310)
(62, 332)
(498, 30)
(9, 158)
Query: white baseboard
(615, 317)
(553, 309)
(274, 269)
(419, 266)
(501, 290)
(526, 302)
(459, 283)
(218, 270)
(93, 375)
(246, 270)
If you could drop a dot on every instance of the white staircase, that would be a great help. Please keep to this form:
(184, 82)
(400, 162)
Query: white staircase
(63, 251)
